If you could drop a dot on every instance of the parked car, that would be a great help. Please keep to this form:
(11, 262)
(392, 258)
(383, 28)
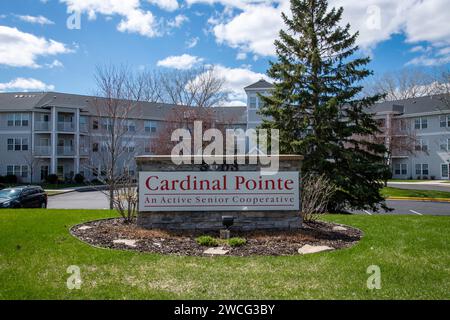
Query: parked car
(23, 197)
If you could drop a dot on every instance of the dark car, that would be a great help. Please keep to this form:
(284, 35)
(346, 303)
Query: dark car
(23, 197)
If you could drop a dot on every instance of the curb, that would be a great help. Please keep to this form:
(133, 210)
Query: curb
(420, 199)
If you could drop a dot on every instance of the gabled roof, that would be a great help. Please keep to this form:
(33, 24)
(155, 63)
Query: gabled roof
(261, 84)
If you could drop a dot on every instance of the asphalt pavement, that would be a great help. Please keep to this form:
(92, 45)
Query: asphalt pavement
(98, 200)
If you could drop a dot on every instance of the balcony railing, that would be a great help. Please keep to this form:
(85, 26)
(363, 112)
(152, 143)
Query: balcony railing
(66, 126)
(65, 151)
(42, 126)
(43, 150)
(84, 151)
(83, 127)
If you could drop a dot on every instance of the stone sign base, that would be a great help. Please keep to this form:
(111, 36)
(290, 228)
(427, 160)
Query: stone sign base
(212, 220)
(244, 220)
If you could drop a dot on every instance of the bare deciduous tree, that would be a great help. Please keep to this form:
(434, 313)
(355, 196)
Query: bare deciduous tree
(119, 99)
(404, 84)
(317, 190)
(197, 87)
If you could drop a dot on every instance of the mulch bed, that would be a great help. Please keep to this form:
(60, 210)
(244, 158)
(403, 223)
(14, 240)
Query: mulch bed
(275, 243)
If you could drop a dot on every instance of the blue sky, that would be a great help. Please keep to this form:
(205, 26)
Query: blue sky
(39, 52)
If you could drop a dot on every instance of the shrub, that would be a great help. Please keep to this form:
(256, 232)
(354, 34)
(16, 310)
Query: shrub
(236, 242)
(10, 178)
(52, 179)
(2, 179)
(207, 241)
(317, 190)
(79, 178)
(2, 186)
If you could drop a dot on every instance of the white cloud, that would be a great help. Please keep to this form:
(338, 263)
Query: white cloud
(26, 84)
(35, 19)
(134, 18)
(238, 78)
(20, 49)
(191, 43)
(241, 56)
(178, 21)
(54, 64)
(255, 24)
(168, 5)
(182, 62)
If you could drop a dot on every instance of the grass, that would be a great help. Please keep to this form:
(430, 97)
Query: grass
(397, 192)
(36, 249)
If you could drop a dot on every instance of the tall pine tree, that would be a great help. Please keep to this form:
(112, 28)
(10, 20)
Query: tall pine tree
(317, 107)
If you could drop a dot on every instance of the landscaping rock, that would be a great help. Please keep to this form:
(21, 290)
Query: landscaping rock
(339, 228)
(127, 242)
(216, 251)
(84, 228)
(313, 249)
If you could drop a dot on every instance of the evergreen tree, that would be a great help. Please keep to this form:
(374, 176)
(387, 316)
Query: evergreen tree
(317, 106)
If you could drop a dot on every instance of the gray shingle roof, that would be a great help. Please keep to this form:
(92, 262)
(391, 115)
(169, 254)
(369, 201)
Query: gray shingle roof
(412, 106)
(261, 84)
(89, 104)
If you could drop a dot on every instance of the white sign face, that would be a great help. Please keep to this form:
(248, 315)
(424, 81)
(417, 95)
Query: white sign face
(218, 191)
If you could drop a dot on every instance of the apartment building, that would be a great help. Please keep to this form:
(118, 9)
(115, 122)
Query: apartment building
(416, 132)
(63, 134)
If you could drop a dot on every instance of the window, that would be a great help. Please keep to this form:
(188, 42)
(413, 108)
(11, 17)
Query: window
(150, 126)
(24, 173)
(95, 124)
(425, 169)
(128, 146)
(421, 145)
(16, 170)
(444, 144)
(401, 169)
(444, 171)
(130, 126)
(95, 147)
(103, 147)
(253, 102)
(18, 119)
(444, 121)
(106, 124)
(147, 149)
(17, 144)
(421, 123)
(422, 169)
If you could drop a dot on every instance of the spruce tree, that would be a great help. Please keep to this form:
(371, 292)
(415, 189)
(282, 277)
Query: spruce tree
(317, 106)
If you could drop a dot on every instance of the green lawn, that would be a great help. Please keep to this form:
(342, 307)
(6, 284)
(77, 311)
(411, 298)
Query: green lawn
(397, 192)
(36, 248)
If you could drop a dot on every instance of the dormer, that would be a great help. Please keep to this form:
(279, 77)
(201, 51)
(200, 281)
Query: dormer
(261, 87)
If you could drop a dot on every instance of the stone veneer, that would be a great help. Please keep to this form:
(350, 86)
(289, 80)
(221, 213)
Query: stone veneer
(212, 220)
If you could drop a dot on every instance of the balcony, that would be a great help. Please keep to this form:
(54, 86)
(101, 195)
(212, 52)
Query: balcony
(43, 150)
(83, 127)
(66, 126)
(84, 151)
(65, 151)
(42, 126)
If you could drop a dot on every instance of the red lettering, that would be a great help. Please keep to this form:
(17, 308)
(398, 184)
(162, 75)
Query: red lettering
(147, 183)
